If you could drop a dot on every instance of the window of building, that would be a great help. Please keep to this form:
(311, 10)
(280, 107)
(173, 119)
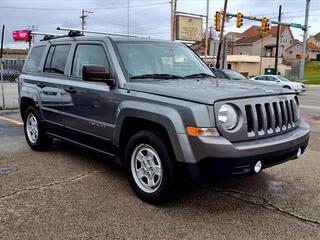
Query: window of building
(34, 59)
(88, 54)
(57, 59)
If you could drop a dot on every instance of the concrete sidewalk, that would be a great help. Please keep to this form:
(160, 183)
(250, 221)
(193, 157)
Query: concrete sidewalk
(11, 95)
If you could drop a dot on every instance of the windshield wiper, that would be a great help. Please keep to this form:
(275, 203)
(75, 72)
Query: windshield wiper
(156, 76)
(199, 75)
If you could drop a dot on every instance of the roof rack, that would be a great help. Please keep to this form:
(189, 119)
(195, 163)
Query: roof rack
(50, 36)
(47, 36)
(98, 32)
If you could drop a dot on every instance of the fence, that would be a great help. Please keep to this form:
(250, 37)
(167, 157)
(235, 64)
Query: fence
(12, 69)
(9, 92)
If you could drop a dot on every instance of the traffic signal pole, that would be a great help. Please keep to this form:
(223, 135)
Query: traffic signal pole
(222, 32)
(207, 33)
(273, 22)
(278, 41)
(1, 66)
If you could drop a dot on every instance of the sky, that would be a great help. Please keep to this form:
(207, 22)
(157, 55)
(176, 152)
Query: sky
(145, 17)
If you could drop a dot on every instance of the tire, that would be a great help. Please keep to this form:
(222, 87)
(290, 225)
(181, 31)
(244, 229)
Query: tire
(160, 167)
(34, 130)
(287, 87)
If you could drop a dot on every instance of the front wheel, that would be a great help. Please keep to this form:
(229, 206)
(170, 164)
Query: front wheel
(150, 168)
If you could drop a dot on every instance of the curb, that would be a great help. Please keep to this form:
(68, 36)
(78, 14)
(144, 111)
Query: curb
(13, 110)
(313, 87)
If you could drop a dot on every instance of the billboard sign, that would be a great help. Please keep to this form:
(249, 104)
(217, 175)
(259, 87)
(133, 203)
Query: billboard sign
(189, 28)
(21, 35)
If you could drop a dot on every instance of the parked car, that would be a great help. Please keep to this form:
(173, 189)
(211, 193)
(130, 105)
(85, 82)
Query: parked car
(228, 74)
(280, 81)
(10, 75)
(154, 106)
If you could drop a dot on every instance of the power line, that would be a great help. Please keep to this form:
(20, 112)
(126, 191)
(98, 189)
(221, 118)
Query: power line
(77, 9)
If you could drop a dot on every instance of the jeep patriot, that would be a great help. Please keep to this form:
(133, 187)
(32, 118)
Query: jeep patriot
(156, 108)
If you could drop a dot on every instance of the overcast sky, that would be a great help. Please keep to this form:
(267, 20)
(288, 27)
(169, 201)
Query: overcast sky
(147, 17)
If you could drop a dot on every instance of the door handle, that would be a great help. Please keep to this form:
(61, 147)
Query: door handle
(41, 85)
(70, 90)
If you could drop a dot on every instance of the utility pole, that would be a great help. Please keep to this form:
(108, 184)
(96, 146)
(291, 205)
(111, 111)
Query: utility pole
(278, 40)
(305, 37)
(224, 52)
(171, 20)
(1, 66)
(174, 21)
(222, 30)
(83, 17)
(207, 33)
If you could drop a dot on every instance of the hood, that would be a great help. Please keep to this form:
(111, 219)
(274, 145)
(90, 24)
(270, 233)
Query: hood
(205, 90)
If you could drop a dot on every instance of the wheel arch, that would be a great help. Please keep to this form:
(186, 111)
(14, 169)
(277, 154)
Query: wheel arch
(25, 102)
(152, 117)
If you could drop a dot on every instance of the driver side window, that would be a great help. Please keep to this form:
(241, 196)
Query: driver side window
(88, 54)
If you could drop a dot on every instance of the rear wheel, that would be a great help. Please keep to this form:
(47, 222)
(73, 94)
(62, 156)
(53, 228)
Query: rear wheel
(34, 130)
(150, 168)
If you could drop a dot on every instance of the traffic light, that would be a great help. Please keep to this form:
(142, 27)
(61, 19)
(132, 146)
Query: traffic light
(239, 20)
(265, 24)
(217, 21)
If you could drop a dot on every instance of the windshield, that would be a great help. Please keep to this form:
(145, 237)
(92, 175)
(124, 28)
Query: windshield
(233, 75)
(160, 60)
(283, 79)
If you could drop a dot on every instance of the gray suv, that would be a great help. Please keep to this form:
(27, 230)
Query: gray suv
(156, 108)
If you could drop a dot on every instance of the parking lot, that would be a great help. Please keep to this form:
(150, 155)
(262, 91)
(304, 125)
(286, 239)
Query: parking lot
(70, 193)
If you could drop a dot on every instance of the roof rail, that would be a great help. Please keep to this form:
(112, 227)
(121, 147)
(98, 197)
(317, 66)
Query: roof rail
(98, 32)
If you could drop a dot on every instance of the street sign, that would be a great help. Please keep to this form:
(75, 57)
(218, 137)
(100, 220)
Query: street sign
(189, 28)
(296, 25)
(21, 35)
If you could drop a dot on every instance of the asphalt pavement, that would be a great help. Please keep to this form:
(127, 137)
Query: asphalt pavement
(70, 193)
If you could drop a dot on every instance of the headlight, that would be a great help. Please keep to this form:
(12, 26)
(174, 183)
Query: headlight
(228, 117)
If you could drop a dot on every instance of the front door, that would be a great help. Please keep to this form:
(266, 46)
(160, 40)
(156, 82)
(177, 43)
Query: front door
(91, 116)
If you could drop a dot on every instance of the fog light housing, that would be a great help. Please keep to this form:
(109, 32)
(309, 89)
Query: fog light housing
(257, 167)
(299, 152)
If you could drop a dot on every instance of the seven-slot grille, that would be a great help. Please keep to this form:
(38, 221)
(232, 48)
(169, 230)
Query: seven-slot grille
(271, 117)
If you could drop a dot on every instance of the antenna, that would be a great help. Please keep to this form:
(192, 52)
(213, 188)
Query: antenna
(98, 32)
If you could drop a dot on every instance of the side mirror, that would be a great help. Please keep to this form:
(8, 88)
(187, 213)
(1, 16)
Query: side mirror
(97, 73)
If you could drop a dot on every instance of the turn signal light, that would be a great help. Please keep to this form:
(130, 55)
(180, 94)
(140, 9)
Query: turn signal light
(202, 132)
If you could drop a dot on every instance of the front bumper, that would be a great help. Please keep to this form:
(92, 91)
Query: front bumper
(218, 156)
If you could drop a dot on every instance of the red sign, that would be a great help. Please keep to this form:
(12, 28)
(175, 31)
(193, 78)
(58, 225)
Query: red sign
(21, 35)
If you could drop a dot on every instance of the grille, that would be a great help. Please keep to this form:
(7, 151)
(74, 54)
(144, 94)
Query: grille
(270, 117)
(261, 117)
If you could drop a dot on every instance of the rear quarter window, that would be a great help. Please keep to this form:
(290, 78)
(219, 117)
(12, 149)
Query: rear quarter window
(34, 59)
(57, 59)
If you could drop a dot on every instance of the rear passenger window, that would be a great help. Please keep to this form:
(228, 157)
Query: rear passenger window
(88, 54)
(57, 59)
(34, 59)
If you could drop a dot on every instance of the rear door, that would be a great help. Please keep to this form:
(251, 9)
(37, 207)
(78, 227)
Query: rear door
(36, 77)
(52, 95)
(90, 118)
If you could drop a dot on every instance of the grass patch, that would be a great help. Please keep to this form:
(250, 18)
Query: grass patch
(312, 73)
